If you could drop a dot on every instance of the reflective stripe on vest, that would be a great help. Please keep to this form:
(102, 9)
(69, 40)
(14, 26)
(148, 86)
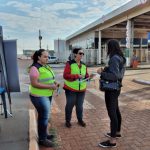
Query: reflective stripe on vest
(46, 76)
(77, 85)
(44, 80)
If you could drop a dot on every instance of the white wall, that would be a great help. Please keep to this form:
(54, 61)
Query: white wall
(60, 49)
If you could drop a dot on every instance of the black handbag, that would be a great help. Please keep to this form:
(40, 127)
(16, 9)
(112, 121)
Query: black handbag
(105, 85)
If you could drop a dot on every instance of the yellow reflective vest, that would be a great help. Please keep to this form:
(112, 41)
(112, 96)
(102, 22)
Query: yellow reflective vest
(77, 84)
(46, 76)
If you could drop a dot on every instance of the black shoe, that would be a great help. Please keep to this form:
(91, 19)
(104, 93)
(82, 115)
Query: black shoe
(82, 123)
(50, 137)
(46, 143)
(109, 135)
(107, 144)
(68, 124)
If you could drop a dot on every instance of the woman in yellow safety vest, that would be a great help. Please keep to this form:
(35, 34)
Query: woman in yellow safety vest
(75, 75)
(41, 90)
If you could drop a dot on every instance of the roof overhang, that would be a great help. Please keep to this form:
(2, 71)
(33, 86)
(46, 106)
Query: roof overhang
(130, 10)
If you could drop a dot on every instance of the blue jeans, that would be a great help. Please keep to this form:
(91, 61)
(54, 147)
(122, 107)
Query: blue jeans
(74, 99)
(43, 106)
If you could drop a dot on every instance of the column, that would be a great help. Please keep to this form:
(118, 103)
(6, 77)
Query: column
(99, 48)
(129, 41)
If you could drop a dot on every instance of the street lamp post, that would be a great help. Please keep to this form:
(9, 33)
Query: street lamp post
(40, 38)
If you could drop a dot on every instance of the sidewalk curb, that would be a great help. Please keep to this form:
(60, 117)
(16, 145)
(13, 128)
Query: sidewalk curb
(33, 145)
(127, 68)
(145, 82)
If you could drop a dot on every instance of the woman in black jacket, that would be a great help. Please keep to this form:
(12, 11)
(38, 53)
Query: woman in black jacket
(113, 72)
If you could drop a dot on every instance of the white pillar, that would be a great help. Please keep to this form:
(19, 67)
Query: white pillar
(129, 41)
(99, 49)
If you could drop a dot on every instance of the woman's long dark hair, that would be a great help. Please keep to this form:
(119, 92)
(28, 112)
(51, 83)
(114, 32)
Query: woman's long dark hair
(114, 48)
(36, 55)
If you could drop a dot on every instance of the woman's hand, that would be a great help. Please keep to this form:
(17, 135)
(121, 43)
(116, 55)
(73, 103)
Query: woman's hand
(92, 76)
(57, 84)
(80, 76)
(100, 70)
(53, 86)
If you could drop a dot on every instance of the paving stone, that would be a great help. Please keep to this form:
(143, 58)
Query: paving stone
(134, 105)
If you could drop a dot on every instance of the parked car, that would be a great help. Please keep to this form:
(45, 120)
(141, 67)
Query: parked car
(53, 59)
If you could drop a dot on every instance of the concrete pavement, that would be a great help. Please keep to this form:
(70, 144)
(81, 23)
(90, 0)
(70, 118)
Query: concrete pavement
(134, 103)
(144, 79)
(14, 131)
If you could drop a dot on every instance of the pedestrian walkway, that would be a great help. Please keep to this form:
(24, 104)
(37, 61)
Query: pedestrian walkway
(14, 131)
(134, 104)
(145, 79)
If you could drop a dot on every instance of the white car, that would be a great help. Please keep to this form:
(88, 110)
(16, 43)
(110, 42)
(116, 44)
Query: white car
(53, 59)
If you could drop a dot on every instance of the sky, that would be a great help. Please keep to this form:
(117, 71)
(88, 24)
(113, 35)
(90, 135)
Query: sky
(22, 19)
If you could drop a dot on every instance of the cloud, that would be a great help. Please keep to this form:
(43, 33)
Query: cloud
(114, 4)
(20, 5)
(55, 19)
(92, 12)
(18, 22)
(26, 28)
(96, 2)
(70, 12)
(60, 6)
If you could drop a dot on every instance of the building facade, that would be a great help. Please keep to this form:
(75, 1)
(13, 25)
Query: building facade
(60, 50)
(129, 24)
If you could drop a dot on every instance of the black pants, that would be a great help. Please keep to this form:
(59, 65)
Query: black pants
(111, 100)
(74, 99)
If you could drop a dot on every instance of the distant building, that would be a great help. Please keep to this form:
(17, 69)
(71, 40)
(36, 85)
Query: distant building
(60, 50)
(129, 24)
(51, 52)
(29, 53)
